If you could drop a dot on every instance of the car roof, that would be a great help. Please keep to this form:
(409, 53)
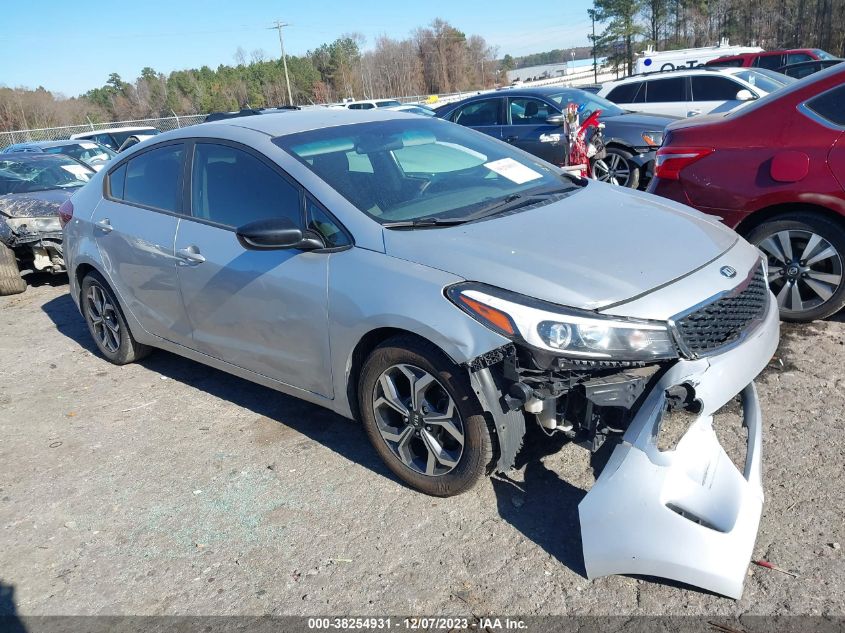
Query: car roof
(281, 123)
(34, 156)
(699, 70)
(109, 130)
(59, 143)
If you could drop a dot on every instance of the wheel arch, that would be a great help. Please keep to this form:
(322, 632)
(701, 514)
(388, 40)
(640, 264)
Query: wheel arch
(362, 350)
(775, 211)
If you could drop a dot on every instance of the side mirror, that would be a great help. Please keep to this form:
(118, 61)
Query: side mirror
(745, 95)
(277, 233)
(556, 119)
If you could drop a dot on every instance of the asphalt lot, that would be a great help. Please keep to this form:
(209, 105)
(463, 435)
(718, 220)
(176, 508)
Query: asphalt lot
(168, 487)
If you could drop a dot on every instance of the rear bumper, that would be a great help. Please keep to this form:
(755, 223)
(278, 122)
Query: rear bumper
(687, 514)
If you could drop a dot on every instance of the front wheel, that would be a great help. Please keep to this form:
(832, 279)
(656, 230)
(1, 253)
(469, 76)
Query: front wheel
(11, 282)
(423, 418)
(617, 168)
(805, 257)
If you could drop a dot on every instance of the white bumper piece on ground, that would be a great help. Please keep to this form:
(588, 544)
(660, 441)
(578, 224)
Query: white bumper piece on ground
(687, 514)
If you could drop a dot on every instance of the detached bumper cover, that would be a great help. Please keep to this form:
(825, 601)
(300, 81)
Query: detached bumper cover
(688, 514)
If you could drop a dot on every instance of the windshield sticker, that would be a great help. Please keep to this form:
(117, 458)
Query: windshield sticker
(77, 170)
(86, 145)
(513, 171)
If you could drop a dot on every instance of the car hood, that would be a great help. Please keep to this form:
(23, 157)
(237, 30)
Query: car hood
(35, 204)
(636, 119)
(599, 246)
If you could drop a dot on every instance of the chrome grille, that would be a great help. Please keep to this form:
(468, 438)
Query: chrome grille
(724, 320)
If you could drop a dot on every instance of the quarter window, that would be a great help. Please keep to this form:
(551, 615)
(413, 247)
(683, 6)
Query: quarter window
(830, 105)
(666, 90)
(626, 93)
(478, 113)
(232, 187)
(714, 89)
(322, 223)
(153, 179)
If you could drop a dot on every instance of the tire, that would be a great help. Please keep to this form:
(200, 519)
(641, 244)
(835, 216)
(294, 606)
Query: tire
(605, 168)
(11, 282)
(818, 272)
(408, 455)
(106, 322)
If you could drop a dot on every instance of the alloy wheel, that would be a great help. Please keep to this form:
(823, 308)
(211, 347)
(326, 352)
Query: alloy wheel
(613, 169)
(103, 316)
(418, 420)
(805, 269)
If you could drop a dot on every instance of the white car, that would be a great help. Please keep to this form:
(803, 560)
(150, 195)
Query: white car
(687, 93)
(115, 137)
(369, 104)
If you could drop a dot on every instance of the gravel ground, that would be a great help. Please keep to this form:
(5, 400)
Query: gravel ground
(167, 487)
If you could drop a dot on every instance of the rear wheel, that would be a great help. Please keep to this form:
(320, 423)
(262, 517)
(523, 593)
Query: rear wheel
(107, 324)
(11, 282)
(423, 417)
(617, 168)
(805, 255)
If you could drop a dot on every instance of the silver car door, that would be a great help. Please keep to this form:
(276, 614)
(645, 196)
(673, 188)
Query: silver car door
(261, 310)
(134, 226)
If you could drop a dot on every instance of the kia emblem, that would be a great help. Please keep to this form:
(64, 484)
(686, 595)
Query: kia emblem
(728, 271)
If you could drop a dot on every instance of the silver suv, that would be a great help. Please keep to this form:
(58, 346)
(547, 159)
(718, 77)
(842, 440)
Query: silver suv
(447, 289)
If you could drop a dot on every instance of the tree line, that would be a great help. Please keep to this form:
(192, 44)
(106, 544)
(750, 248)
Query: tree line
(438, 58)
(624, 26)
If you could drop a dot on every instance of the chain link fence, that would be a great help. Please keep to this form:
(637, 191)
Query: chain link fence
(171, 123)
(58, 133)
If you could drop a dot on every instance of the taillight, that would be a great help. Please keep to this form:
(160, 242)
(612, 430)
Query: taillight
(671, 160)
(66, 212)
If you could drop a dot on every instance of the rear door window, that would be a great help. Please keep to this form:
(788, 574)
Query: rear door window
(479, 113)
(794, 58)
(772, 62)
(715, 88)
(154, 178)
(528, 111)
(666, 90)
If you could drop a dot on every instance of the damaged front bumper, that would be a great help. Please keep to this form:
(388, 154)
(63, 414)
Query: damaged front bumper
(35, 250)
(687, 514)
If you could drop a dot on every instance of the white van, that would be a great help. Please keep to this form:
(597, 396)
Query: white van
(656, 61)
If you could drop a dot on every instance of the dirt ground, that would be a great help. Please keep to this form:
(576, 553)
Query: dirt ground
(167, 487)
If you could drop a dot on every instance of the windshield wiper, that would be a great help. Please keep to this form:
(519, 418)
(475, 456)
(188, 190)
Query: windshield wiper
(516, 200)
(423, 222)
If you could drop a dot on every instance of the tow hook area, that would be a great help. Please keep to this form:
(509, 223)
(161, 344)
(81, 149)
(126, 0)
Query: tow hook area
(687, 514)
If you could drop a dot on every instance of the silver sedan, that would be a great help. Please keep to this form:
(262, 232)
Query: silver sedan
(446, 289)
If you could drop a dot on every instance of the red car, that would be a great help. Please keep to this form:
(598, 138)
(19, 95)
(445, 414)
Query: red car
(774, 171)
(772, 59)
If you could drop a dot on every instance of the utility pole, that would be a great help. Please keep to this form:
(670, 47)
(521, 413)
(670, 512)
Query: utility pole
(279, 25)
(592, 13)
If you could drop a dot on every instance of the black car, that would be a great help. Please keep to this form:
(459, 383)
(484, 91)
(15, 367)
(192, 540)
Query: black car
(33, 187)
(802, 69)
(221, 116)
(530, 119)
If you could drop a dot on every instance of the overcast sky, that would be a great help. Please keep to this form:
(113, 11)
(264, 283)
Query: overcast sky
(70, 47)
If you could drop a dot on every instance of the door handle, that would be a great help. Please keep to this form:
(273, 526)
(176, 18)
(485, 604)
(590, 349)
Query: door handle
(693, 112)
(511, 139)
(190, 254)
(105, 226)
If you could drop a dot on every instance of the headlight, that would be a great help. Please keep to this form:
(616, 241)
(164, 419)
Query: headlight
(564, 331)
(653, 139)
(34, 225)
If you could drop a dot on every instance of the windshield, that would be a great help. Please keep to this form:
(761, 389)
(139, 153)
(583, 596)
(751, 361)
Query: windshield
(823, 54)
(587, 103)
(87, 152)
(41, 174)
(406, 170)
(763, 79)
